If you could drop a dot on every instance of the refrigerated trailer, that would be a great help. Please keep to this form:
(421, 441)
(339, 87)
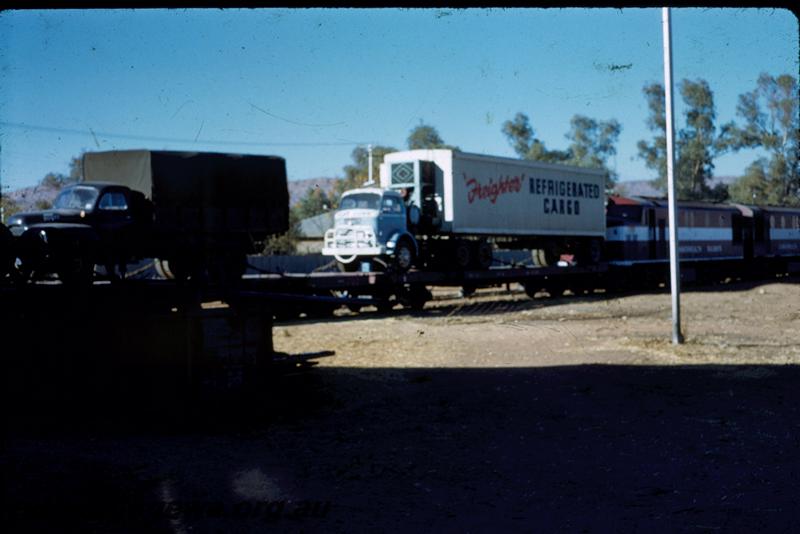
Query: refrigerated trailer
(446, 208)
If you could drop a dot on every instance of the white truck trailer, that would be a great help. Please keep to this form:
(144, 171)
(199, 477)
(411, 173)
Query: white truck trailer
(444, 209)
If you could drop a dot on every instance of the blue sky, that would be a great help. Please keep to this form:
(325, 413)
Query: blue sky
(311, 84)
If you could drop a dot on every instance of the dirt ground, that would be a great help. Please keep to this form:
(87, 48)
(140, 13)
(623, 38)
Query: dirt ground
(493, 413)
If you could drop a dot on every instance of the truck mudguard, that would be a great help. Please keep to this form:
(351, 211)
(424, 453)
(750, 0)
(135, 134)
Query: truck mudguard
(392, 241)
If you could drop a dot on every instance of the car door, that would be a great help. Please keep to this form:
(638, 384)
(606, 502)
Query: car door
(113, 217)
(393, 216)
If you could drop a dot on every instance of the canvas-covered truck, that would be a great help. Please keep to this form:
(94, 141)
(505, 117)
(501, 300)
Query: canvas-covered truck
(445, 209)
(6, 251)
(198, 214)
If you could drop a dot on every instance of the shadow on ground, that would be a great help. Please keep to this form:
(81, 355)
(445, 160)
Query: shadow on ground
(561, 449)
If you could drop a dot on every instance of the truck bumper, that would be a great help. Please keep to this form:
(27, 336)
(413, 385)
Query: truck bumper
(353, 251)
(352, 241)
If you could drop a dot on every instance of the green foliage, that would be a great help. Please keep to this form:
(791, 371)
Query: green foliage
(592, 143)
(43, 205)
(758, 185)
(314, 202)
(9, 207)
(58, 180)
(770, 121)
(426, 136)
(53, 180)
(654, 153)
(519, 133)
(76, 169)
(286, 243)
(695, 144)
(522, 137)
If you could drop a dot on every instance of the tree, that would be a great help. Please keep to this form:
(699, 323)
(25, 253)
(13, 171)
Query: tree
(426, 136)
(314, 202)
(654, 154)
(53, 180)
(9, 207)
(75, 169)
(771, 122)
(592, 143)
(59, 180)
(754, 186)
(695, 144)
(521, 135)
(285, 243)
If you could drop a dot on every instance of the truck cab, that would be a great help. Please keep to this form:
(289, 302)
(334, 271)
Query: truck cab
(89, 223)
(371, 223)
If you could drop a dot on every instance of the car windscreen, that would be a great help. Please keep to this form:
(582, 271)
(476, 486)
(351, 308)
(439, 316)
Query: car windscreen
(76, 198)
(363, 201)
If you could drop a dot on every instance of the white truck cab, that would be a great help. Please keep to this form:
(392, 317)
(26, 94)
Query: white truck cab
(370, 222)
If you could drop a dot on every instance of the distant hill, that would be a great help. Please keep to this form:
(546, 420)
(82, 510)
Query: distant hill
(30, 198)
(643, 188)
(298, 188)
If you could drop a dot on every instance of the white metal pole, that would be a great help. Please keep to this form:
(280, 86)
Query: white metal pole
(369, 171)
(674, 260)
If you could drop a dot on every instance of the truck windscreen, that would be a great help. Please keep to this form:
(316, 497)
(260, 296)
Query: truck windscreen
(76, 198)
(362, 201)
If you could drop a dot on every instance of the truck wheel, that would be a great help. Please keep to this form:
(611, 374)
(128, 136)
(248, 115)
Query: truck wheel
(403, 255)
(462, 255)
(594, 254)
(483, 256)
